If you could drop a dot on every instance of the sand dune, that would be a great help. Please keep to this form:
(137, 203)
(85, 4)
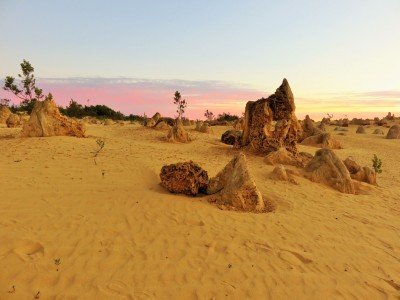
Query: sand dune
(119, 235)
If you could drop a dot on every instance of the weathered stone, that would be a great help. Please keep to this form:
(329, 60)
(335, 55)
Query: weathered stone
(323, 140)
(186, 178)
(150, 122)
(5, 112)
(309, 128)
(280, 156)
(238, 124)
(13, 121)
(236, 187)
(378, 131)
(205, 128)
(279, 173)
(178, 134)
(356, 121)
(46, 120)
(394, 132)
(231, 137)
(382, 122)
(364, 174)
(156, 117)
(361, 130)
(199, 124)
(327, 168)
(390, 116)
(259, 132)
(162, 126)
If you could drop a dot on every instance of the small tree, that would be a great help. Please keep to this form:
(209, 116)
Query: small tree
(377, 164)
(26, 90)
(180, 103)
(209, 115)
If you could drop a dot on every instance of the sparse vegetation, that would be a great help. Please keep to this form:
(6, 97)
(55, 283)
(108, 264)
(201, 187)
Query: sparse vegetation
(57, 262)
(100, 145)
(209, 115)
(26, 89)
(377, 164)
(181, 104)
(227, 117)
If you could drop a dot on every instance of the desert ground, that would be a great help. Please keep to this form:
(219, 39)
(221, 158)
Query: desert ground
(75, 228)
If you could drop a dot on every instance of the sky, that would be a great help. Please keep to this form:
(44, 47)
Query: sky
(340, 57)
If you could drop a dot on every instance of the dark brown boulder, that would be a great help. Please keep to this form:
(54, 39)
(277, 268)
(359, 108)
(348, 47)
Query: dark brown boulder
(231, 137)
(327, 168)
(394, 132)
(259, 132)
(186, 178)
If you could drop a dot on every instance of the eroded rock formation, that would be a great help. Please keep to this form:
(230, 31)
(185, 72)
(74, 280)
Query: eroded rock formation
(231, 137)
(323, 140)
(46, 120)
(361, 130)
(186, 178)
(394, 132)
(358, 173)
(327, 168)
(236, 187)
(13, 121)
(5, 112)
(178, 134)
(261, 134)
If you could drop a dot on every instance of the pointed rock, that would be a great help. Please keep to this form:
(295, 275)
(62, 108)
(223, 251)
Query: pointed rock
(259, 131)
(394, 132)
(236, 187)
(178, 134)
(46, 120)
(327, 168)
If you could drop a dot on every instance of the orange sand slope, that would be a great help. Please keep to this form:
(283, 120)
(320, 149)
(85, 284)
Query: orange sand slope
(119, 235)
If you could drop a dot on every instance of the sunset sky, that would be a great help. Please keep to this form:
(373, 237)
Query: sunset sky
(340, 57)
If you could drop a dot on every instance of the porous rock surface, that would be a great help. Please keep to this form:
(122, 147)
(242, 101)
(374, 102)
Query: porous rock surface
(186, 178)
(261, 134)
(231, 137)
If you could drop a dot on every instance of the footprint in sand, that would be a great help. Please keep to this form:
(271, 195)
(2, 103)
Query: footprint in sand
(117, 288)
(27, 249)
(293, 257)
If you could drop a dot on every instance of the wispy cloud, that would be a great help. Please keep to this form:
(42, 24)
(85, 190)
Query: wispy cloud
(136, 96)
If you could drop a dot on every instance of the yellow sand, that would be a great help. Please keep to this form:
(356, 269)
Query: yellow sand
(119, 235)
